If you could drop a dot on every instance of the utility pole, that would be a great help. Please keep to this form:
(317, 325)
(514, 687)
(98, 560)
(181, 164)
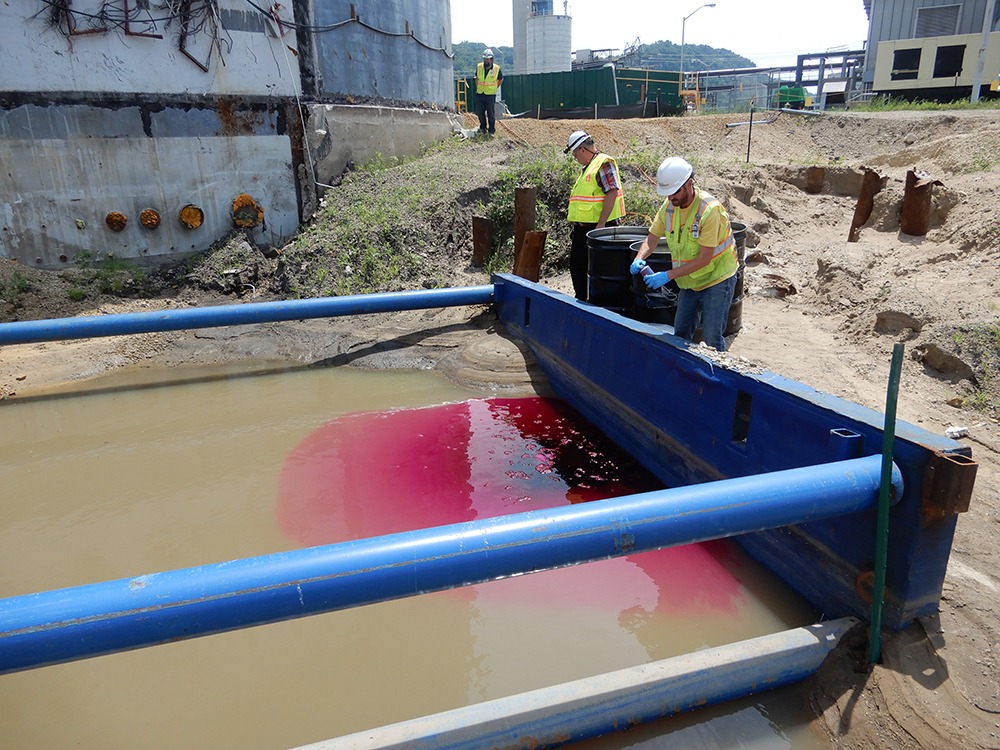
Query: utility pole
(977, 82)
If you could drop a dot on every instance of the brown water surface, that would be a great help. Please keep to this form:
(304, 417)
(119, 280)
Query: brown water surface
(150, 471)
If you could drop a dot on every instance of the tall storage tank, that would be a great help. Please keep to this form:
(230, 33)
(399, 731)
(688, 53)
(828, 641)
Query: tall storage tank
(520, 36)
(549, 44)
(393, 53)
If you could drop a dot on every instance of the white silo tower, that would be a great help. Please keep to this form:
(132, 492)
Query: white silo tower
(542, 39)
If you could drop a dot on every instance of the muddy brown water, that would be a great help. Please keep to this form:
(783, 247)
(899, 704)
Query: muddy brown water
(155, 470)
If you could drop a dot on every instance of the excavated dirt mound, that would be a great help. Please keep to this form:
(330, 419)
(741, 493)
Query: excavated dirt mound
(816, 308)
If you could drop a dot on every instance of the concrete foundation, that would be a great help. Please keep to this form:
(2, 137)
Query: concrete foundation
(115, 132)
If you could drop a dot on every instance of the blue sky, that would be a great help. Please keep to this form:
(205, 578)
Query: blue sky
(769, 32)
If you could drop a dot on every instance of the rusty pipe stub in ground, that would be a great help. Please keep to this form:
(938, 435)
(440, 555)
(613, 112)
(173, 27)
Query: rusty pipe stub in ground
(915, 215)
(871, 184)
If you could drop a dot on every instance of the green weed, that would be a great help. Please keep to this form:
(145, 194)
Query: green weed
(979, 345)
(885, 103)
(109, 275)
(12, 290)
(978, 164)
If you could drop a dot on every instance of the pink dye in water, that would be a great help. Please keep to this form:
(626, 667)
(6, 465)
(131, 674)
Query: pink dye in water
(368, 474)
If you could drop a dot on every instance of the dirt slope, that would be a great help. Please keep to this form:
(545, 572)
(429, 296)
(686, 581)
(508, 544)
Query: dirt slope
(816, 308)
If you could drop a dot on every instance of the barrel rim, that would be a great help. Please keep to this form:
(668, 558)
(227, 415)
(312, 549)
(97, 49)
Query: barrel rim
(611, 234)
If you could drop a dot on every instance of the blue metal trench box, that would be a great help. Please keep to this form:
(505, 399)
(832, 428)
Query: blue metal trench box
(689, 416)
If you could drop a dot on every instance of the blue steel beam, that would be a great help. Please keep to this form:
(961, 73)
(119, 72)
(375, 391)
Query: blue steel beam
(91, 326)
(594, 706)
(58, 626)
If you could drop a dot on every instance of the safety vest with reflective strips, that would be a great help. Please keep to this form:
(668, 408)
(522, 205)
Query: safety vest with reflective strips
(587, 199)
(685, 246)
(486, 82)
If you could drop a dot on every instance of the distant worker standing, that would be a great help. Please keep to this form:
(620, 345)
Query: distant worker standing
(596, 201)
(702, 253)
(488, 80)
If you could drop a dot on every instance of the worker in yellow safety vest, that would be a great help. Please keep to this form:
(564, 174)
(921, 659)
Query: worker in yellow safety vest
(702, 253)
(596, 201)
(488, 80)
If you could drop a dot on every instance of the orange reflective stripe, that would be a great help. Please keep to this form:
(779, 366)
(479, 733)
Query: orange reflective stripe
(486, 83)
(586, 198)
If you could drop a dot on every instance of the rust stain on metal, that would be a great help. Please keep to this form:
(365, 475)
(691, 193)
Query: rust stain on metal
(192, 216)
(871, 184)
(815, 177)
(915, 215)
(149, 218)
(246, 211)
(947, 486)
(864, 584)
(116, 221)
(235, 118)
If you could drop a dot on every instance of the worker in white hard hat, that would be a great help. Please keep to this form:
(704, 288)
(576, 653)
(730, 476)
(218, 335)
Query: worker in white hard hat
(488, 80)
(596, 201)
(702, 253)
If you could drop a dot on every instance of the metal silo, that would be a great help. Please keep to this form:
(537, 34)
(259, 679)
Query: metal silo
(549, 42)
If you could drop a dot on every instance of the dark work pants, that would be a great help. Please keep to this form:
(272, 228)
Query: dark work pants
(578, 260)
(486, 109)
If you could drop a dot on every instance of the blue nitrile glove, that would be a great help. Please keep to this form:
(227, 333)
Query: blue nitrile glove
(656, 280)
(637, 265)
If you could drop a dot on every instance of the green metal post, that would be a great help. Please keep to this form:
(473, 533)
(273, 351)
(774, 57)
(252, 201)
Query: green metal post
(885, 489)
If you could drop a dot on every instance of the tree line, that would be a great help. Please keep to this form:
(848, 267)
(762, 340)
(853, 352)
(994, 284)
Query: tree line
(655, 56)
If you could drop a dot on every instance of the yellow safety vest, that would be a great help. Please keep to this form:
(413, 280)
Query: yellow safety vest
(684, 245)
(486, 83)
(587, 198)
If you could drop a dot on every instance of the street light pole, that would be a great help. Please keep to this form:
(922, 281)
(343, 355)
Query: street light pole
(683, 24)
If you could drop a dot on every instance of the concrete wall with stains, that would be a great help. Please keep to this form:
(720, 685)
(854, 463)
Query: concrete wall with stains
(104, 116)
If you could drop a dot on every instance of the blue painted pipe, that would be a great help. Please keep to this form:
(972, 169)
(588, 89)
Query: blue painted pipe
(594, 706)
(32, 331)
(58, 626)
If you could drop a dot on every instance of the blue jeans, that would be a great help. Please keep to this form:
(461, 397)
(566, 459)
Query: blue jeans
(713, 304)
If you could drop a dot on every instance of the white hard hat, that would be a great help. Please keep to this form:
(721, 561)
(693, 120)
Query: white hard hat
(487, 53)
(672, 175)
(576, 139)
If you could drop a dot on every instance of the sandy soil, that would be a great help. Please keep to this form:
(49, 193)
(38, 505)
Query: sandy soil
(817, 308)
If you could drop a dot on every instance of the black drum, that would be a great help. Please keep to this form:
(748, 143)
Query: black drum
(609, 256)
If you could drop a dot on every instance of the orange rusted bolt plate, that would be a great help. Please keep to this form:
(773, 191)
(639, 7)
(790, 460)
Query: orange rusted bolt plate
(191, 216)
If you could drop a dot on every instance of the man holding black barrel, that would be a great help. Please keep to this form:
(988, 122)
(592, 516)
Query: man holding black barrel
(702, 253)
